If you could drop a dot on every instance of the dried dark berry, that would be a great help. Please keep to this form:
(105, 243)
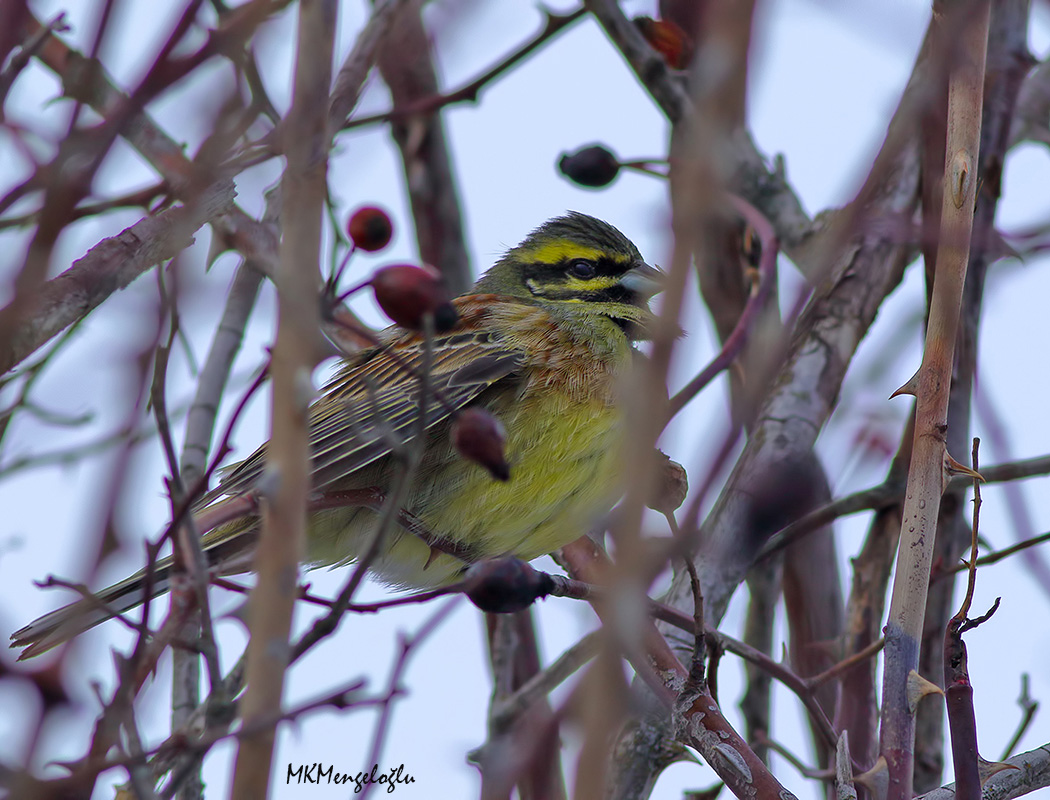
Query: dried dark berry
(480, 436)
(506, 585)
(594, 166)
(672, 486)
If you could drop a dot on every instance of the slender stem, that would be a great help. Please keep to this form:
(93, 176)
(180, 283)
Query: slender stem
(971, 582)
(304, 191)
(552, 25)
(736, 340)
(958, 691)
(1028, 709)
(999, 555)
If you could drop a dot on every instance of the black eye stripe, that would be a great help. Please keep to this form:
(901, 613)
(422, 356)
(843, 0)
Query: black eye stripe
(559, 272)
(611, 294)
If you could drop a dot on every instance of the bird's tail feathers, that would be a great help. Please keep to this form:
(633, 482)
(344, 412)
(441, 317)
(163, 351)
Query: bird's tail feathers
(228, 546)
(63, 624)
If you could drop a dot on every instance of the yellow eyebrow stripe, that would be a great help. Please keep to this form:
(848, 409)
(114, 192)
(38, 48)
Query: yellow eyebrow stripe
(591, 284)
(553, 252)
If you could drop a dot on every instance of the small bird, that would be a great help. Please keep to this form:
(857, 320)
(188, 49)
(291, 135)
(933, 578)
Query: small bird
(543, 343)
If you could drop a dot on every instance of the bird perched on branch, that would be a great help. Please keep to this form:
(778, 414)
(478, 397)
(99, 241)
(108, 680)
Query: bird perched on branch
(535, 361)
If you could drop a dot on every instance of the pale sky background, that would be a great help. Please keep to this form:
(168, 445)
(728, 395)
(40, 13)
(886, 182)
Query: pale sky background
(825, 78)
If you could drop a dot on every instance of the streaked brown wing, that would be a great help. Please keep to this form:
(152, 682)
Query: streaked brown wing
(372, 404)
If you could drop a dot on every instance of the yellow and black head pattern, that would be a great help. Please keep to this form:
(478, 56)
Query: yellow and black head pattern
(580, 260)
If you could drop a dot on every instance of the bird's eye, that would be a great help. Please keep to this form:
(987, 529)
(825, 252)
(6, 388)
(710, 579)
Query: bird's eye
(583, 269)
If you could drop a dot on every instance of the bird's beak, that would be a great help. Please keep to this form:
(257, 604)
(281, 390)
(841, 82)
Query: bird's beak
(643, 280)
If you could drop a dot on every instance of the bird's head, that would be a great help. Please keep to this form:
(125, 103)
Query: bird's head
(582, 265)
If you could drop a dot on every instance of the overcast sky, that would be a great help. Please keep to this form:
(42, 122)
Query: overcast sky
(825, 78)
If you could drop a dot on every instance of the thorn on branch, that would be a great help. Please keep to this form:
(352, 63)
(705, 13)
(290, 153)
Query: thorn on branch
(918, 688)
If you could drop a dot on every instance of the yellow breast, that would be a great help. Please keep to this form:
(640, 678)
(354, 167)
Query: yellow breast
(564, 457)
(564, 429)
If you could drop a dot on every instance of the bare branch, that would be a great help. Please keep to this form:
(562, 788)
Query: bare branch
(408, 70)
(110, 265)
(284, 522)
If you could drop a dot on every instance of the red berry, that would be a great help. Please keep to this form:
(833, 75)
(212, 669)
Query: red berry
(370, 228)
(406, 294)
(480, 436)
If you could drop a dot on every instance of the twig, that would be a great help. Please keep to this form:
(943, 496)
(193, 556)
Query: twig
(112, 264)
(200, 421)
(1028, 709)
(541, 684)
(515, 658)
(733, 344)
(468, 93)
(958, 691)
(971, 581)
(187, 546)
(825, 775)
(27, 49)
(844, 788)
(849, 662)
(998, 555)
(1015, 501)
(141, 781)
(352, 608)
(696, 667)
(355, 68)
(795, 683)
(180, 763)
(29, 375)
(765, 587)
(188, 553)
(891, 492)
(408, 645)
(284, 520)
(135, 199)
(726, 752)
(407, 67)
